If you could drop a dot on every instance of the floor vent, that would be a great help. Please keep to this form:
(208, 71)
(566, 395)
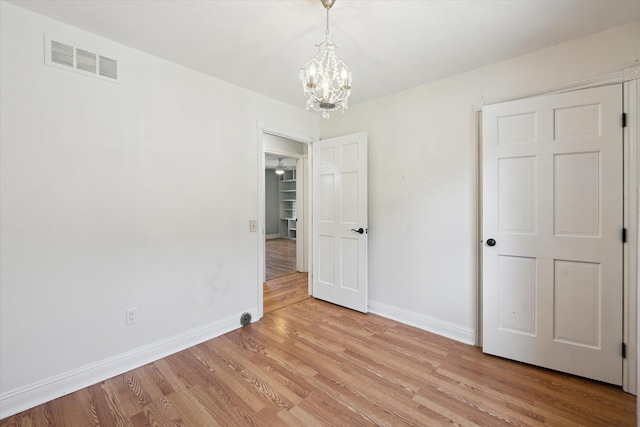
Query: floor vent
(69, 57)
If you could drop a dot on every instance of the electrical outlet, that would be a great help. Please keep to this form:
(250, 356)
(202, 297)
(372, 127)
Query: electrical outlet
(253, 225)
(132, 316)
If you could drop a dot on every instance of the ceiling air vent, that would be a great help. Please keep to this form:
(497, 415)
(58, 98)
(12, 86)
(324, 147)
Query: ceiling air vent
(69, 57)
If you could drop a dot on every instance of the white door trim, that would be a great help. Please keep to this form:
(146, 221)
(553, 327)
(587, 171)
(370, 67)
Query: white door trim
(626, 75)
(631, 275)
(261, 151)
(631, 325)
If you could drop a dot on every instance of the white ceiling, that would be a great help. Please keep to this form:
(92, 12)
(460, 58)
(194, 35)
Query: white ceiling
(389, 45)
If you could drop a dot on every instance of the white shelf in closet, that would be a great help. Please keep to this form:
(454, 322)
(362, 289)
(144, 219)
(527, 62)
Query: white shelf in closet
(288, 204)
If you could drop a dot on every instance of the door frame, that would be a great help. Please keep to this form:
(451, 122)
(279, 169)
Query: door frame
(306, 161)
(630, 80)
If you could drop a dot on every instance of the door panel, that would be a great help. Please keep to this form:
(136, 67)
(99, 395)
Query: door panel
(517, 289)
(552, 201)
(340, 206)
(517, 195)
(577, 194)
(577, 296)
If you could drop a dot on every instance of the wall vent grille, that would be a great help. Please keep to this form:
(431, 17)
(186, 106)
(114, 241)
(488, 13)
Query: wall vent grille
(109, 68)
(61, 53)
(86, 61)
(69, 57)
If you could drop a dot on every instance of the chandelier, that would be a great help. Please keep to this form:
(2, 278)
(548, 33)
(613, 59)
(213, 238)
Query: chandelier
(326, 80)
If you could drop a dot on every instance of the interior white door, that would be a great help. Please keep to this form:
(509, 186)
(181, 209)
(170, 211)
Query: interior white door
(340, 221)
(552, 232)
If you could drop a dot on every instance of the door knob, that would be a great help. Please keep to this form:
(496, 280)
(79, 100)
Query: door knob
(491, 242)
(359, 230)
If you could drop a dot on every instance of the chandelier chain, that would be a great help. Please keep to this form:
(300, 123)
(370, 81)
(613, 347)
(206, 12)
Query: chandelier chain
(326, 80)
(327, 29)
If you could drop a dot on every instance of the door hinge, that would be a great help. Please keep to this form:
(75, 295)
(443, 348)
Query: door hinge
(624, 120)
(624, 350)
(624, 235)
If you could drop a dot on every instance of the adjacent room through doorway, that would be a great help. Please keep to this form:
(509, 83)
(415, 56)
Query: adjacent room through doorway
(284, 284)
(280, 216)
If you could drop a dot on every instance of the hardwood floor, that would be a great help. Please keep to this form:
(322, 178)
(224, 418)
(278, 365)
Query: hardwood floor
(284, 291)
(311, 363)
(280, 257)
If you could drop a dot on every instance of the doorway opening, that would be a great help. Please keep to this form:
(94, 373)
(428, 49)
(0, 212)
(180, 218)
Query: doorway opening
(280, 200)
(336, 169)
(283, 245)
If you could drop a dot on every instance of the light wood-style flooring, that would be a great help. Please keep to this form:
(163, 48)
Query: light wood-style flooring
(310, 363)
(280, 257)
(284, 291)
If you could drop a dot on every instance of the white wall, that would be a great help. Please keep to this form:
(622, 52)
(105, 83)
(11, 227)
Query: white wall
(279, 144)
(422, 176)
(136, 194)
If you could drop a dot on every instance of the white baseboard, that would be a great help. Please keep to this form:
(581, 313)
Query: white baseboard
(23, 398)
(272, 236)
(429, 324)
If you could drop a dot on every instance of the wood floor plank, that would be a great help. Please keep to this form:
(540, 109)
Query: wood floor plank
(306, 418)
(108, 413)
(264, 378)
(557, 393)
(284, 291)
(160, 413)
(154, 381)
(280, 257)
(258, 385)
(310, 363)
(187, 404)
(169, 376)
(232, 385)
(72, 410)
(520, 406)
